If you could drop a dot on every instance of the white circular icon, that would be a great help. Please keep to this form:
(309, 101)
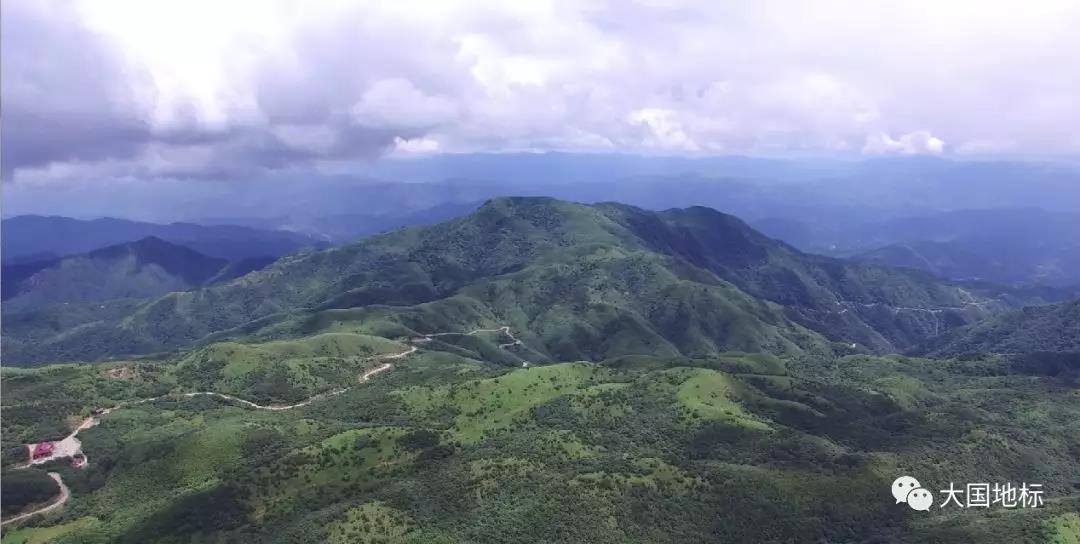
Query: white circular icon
(920, 499)
(902, 486)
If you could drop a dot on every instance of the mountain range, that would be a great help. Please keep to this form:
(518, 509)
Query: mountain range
(139, 269)
(347, 227)
(579, 282)
(31, 238)
(536, 371)
(1010, 246)
(1046, 328)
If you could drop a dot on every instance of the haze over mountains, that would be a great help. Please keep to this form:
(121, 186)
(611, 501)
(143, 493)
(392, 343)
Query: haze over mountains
(1013, 223)
(749, 188)
(29, 238)
(139, 269)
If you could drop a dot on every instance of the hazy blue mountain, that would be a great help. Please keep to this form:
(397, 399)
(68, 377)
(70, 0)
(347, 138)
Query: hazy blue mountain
(1007, 246)
(346, 227)
(143, 268)
(946, 259)
(749, 188)
(25, 236)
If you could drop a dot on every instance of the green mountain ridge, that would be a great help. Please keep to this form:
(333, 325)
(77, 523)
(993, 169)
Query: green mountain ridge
(553, 270)
(1048, 328)
(144, 268)
(25, 236)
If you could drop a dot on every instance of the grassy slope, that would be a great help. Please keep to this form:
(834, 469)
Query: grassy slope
(638, 449)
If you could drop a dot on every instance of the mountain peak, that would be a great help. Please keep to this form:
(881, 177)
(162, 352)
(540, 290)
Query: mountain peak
(149, 266)
(684, 280)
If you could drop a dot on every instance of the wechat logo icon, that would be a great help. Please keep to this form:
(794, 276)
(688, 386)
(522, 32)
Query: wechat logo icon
(907, 489)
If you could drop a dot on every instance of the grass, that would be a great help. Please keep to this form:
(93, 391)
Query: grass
(648, 472)
(1065, 529)
(347, 460)
(47, 535)
(489, 405)
(446, 448)
(370, 523)
(709, 394)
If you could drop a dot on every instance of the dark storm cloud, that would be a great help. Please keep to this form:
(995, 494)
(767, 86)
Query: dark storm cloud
(54, 83)
(69, 98)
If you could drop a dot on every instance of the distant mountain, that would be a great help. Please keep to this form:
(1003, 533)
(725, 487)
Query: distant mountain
(1008, 246)
(30, 235)
(580, 282)
(751, 188)
(945, 259)
(347, 227)
(144, 268)
(1048, 328)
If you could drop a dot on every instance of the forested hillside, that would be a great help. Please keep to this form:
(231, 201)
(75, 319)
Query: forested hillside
(452, 446)
(145, 268)
(1049, 328)
(579, 280)
(31, 237)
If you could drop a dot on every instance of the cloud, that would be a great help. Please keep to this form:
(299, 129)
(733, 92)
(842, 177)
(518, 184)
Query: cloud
(920, 142)
(662, 129)
(398, 103)
(243, 89)
(415, 146)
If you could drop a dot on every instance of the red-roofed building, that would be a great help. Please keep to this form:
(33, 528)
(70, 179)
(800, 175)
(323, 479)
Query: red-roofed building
(43, 449)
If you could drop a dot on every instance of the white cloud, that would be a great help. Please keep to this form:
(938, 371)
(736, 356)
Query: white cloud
(663, 129)
(920, 142)
(397, 103)
(315, 139)
(273, 84)
(415, 146)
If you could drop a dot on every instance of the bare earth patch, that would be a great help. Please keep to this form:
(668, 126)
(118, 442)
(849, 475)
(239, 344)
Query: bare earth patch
(120, 373)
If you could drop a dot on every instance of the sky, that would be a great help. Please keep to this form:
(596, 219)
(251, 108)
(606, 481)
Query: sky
(222, 91)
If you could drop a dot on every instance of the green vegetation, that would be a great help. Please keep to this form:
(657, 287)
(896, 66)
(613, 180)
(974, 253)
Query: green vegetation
(735, 447)
(282, 371)
(144, 268)
(662, 377)
(577, 281)
(47, 535)
(1065, 529)
(1050, 328)
(22, 488)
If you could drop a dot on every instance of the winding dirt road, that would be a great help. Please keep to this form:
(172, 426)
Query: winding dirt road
(57, 502)
(70, 446)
